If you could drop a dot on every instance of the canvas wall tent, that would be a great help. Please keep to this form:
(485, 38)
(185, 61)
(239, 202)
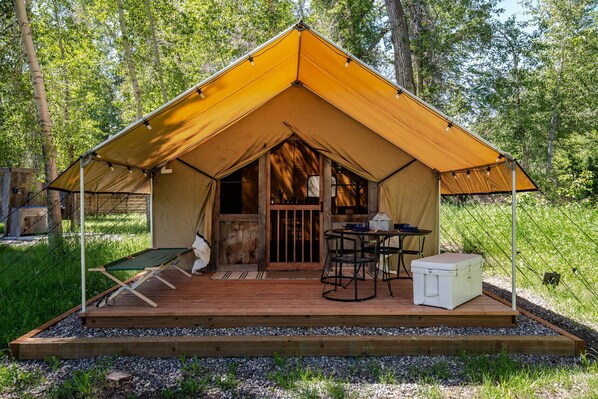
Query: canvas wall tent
(301, 85)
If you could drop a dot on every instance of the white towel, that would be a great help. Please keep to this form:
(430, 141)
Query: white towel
(202, 252)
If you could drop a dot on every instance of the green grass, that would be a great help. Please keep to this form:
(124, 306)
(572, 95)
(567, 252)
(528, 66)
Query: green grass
(503, 377)
(15, 379)
(547, 242)
(36, 285)
(479, 376)
(197, 379)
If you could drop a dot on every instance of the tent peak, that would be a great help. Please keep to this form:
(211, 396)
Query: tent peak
(301, 26)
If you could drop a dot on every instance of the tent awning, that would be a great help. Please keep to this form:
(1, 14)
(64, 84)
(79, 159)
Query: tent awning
(297, 58)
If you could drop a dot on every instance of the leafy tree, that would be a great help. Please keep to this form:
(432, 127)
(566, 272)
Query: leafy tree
(43, 115)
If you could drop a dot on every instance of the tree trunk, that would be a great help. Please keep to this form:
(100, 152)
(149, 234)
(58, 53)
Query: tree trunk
(554, 117)
(157, 63)
(43, 112)
(401, 44)
(418, 54)
(519, 128)
(70, 204)
(129, 59)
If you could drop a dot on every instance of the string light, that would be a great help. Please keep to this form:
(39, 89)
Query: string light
(399, 92)
(488, 171)
(147, 124)
(454, 175)
(468, 174)
(144, 172)
(129, 169)
(500, 156)
(111, 166)
(448, 127)
(250, 58)
(95, 154)
(348, 62)
(201, 95)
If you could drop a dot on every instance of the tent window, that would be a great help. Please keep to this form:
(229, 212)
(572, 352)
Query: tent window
(351, 193)
(239, 191)
(313, 186)
(293, 165)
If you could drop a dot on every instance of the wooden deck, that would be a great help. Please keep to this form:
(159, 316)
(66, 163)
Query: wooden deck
(223, 303)
(201, 301)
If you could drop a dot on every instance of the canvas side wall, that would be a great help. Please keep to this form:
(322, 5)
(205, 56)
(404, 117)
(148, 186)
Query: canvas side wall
(411, 196)
(183, 202)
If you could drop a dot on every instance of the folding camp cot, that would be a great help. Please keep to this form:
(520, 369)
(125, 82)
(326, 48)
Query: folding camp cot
(152, 261)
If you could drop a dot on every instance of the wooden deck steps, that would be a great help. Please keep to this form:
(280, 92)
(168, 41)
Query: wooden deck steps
(241, 346)
(224, 303)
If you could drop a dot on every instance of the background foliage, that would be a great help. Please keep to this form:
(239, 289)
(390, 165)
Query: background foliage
(530, 87)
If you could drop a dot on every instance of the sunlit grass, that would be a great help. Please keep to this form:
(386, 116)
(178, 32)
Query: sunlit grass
(37, 284)
(547, 241)
(503, 377)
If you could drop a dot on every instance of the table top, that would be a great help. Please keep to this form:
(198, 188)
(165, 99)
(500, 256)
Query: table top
(405, 233)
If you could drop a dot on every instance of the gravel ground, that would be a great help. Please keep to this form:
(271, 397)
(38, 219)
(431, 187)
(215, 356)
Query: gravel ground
(535, 304)
(71, 327)
(361, 377)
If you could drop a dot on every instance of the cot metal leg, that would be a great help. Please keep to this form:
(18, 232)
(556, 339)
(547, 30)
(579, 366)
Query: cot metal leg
(165, 282)
(133, 288)
(123, 286)
(182, 271)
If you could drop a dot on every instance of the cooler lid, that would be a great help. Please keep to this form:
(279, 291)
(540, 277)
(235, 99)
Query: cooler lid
(446, 261)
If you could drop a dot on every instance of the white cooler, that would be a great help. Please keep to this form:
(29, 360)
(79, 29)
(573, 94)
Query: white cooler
(446, 280)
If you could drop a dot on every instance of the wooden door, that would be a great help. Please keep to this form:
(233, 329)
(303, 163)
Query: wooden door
(294, 217)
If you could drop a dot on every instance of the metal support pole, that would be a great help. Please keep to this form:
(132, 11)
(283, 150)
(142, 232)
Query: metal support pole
(82, 228)
(151, 209)
(439, 204)
(513, 165)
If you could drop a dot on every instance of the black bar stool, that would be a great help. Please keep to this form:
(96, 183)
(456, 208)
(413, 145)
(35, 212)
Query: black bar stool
(342, 268)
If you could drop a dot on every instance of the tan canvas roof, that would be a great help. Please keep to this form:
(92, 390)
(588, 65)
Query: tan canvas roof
(296, 84)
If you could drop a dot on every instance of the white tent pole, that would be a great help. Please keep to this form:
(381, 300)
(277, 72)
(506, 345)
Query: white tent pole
(151, 209)
(82, 227)
(513, 234)
(439, 205)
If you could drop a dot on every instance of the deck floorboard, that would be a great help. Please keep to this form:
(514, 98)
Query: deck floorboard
(199, 300)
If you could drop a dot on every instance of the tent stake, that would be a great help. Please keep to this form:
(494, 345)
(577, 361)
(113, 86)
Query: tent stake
(513, 166)
(82, 227)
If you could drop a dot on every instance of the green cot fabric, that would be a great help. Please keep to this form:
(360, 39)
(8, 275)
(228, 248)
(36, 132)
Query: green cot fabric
(147, 258)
